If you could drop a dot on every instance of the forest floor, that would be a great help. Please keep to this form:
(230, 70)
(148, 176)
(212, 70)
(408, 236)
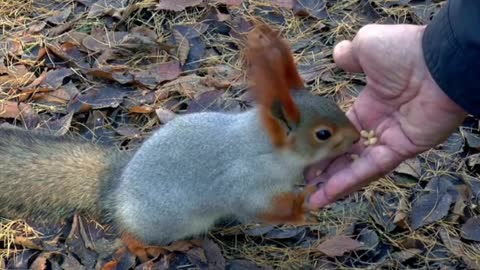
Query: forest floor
(112, 71)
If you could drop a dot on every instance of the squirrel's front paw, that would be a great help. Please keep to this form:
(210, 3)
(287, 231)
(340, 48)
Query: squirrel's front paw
(289, 208)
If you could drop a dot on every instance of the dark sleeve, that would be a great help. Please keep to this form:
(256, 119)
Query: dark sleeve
(451, 46)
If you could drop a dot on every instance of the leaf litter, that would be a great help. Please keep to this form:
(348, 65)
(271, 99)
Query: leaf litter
(113, 71)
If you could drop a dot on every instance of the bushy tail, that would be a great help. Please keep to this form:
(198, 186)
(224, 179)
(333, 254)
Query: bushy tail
(49, 177)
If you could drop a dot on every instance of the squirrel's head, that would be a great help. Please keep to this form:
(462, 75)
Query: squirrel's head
(322, 130)
(311, 126)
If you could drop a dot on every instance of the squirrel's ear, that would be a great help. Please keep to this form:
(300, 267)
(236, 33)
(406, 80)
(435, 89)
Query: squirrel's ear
(273, 74)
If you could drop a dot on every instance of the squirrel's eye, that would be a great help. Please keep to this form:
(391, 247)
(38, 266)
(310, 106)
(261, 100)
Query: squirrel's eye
(323, 134)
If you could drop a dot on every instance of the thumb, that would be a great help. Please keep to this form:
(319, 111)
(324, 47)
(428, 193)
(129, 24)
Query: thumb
(345, 57)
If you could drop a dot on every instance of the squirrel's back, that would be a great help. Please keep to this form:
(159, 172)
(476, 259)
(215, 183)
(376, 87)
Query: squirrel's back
(48, 177)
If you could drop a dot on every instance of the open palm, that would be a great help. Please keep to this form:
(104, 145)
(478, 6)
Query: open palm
(400, 102)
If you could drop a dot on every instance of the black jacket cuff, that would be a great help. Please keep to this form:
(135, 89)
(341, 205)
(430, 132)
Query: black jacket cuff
(451, 47)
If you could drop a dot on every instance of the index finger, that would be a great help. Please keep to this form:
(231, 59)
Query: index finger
(372, 164)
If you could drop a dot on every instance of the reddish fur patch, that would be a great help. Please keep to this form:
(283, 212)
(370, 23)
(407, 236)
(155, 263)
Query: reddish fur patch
(139, 249)
(288, 208)
(145, 252)
(273, 73)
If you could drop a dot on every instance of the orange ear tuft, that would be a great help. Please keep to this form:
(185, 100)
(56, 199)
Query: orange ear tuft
(273, 73)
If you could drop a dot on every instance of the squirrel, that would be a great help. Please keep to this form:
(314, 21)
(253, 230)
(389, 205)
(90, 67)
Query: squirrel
(194, 170)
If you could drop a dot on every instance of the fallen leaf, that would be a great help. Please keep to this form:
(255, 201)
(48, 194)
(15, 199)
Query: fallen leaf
(284, 233)
(141, 109)
(60, 126)
(207, 101)
(155, 74)
(114, 73)
(213, 254)
(195, 42)
(313, 8)
(401, 213)
(12, 46)
(235, 3)
(339, 245)
(284, 3)
(410, 167)
(368, 11)
(113, 8)
(453, 144)
(242, 265)
(70, 52)
(68, 261)
(406, 254)
(259, 230)
(10, 109)
(21, 260)
(141, 38)
(382, 212)
(197, 256)
(128, 131)
(183, 46)
(369, 238)
(28, 242)
(40, 263)
(429, 208)
(109, 96)
(54, 78)
(177, 5)
(471, 229)
(473, 139)
(37, 27)
(59, 16)
(452, 243)
(473, 160)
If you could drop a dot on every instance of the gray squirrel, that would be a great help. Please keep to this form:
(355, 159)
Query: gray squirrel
(194, 170)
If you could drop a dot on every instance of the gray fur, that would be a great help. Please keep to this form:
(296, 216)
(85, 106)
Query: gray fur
(202, 167)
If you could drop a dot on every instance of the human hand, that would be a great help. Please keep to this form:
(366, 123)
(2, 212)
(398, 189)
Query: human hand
(401, 102)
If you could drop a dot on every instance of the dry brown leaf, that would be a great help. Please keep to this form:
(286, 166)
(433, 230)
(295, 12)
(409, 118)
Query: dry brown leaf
(10, 109)
(183, 46)
(114, 73)
(113, 8)
(40, 263)
(339, 245)
(141, 109)
(13, 46)
(190, 86)
(177, 5)
(18, 76)
(37, 27)
(27, 243)
(155, 74)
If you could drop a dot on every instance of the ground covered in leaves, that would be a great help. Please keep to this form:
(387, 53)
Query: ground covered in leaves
(112, 71)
